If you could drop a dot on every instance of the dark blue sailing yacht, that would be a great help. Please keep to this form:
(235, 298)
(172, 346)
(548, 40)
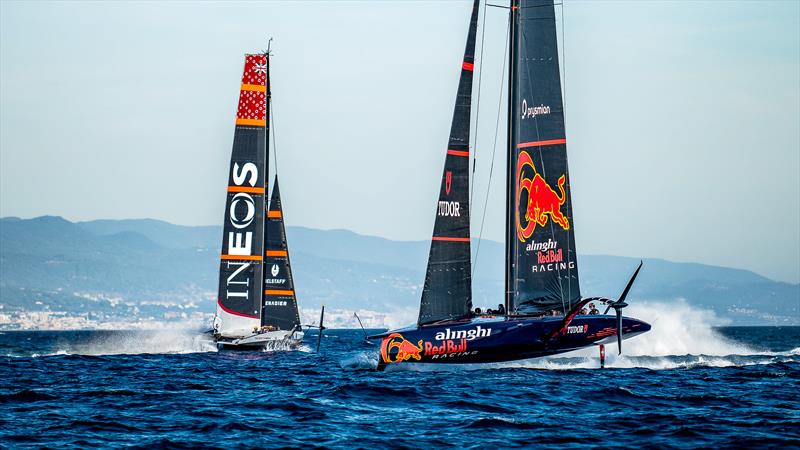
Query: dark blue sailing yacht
(543, 311)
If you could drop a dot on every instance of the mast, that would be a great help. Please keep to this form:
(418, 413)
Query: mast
(510, 201)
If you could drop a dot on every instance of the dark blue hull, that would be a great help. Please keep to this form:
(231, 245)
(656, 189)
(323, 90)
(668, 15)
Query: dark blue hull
(496, 339)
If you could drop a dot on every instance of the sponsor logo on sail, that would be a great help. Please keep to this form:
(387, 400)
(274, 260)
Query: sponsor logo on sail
(529, 112)
(237, 284)
(396, 348)
(275, 303)
(449, 209)
(241, 242)
(550, 256)
(448, 180)
(541, 246)
(541, 202)
(241, 214)
(538, 268)
(275, 270)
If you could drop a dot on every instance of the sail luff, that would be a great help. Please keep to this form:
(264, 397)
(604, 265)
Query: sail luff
(280, 301)
(239, 288)
(544, 273)
(447, 292)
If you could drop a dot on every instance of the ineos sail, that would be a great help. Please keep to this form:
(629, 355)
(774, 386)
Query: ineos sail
(448, 282)
(240, 272)
(543, 275)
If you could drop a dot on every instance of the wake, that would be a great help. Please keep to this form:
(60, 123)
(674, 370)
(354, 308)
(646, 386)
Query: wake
(176, 341)
(682, 337)
(169, 341)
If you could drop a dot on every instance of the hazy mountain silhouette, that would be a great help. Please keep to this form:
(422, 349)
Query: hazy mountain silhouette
(150, 265)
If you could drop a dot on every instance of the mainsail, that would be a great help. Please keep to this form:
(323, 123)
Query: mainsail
(447, 292)
(543, 272)
(280, 302)
(240, 273)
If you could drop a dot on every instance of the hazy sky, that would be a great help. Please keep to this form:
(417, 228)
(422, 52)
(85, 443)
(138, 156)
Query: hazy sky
(682, 118)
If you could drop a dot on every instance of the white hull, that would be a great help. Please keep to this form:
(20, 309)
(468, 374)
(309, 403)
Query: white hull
(271, 340)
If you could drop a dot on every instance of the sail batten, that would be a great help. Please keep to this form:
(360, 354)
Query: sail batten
(543, 272)
(447, 292)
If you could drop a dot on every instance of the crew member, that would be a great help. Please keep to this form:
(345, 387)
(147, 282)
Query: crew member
(593, 309)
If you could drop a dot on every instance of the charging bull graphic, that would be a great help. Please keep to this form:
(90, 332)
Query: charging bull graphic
(405, 349)
(543, 201)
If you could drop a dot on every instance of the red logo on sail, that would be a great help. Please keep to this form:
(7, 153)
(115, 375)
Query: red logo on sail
(448, 179)
(543, 202)
(396, 348)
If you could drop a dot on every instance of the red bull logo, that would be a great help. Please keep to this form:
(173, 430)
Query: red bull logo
(396, 348)
(544, 203)
(445, 348)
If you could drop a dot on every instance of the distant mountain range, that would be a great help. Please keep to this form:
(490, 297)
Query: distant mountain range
(113, 269)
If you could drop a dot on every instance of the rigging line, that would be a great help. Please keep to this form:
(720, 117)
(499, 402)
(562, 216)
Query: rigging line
(477, 112)
(494, 150)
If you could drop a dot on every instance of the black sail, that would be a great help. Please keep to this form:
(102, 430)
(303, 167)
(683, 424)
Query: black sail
(544, 274)
(240, 272)
(280, 301)
(447, 292)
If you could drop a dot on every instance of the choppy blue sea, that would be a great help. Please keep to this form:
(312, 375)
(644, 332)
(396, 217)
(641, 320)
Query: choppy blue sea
(725, 387)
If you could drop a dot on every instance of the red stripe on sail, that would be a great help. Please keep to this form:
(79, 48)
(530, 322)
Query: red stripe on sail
(230, 311)
(541, 143)
(468, 66)
(450, 239)
(458, 153)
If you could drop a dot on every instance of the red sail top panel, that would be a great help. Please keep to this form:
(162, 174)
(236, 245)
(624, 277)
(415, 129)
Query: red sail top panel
(255, 69)
(252, 110)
